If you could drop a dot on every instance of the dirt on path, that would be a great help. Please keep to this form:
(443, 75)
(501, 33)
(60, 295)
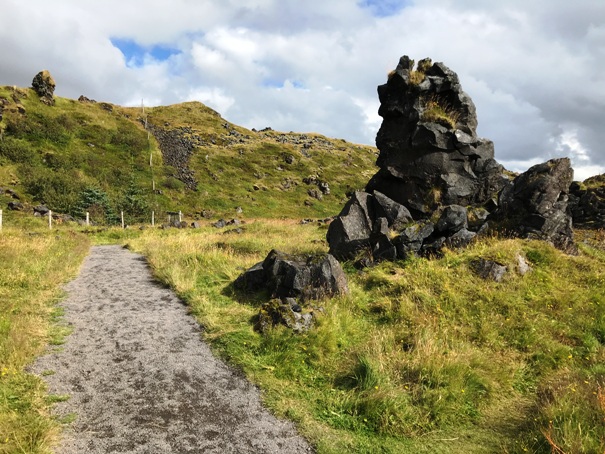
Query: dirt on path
(140, 378)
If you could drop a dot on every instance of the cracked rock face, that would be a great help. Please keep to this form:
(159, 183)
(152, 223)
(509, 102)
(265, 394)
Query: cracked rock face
(430, 154)
(535, 204)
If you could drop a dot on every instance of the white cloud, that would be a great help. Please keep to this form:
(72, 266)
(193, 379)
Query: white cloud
(536, 70)
(212, 97)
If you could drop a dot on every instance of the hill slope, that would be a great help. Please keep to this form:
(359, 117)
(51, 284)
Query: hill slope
(79, 156)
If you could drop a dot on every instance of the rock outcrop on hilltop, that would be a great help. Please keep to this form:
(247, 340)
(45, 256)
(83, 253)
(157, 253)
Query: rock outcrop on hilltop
(44, 85)
(440, 180)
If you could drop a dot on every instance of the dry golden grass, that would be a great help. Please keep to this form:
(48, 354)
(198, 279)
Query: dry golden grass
(32, 269)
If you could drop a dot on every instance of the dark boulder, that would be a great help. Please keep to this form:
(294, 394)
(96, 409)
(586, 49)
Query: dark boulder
(365, 226)
(587, 203)
(219, 224)
(350, 231)
(44, 85)
(15, 206)
(489, 270)
(535, 204)
(396, 214)
(41, 210)
(302, 277)
(253, 280)
(382, 247)
(453, 219)
(460, 239)
(84, 99)
(410, 240)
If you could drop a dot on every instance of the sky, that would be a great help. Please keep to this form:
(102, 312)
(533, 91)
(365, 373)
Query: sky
(534, 69)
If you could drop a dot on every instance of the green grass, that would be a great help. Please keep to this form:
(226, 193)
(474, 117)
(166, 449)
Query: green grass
(57, 155)
(422, 356)
(33, 266)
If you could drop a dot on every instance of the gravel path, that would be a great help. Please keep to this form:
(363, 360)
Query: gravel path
(140, 378)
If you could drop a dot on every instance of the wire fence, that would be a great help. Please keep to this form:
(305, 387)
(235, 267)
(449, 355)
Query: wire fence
(171, 218)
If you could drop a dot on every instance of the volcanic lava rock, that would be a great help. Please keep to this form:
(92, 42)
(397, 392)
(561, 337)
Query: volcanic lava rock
(430, 154)
(365, 224)
(44, 85)
(303, 277)
(535, 204)
(587, 203)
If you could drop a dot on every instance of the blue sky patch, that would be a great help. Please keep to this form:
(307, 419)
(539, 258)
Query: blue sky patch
(384, 8)
(135, 53)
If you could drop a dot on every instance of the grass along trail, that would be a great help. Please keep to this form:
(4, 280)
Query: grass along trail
(139, 378)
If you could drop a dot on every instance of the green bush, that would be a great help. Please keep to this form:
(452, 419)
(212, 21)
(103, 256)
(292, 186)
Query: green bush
(59, 189)
(39, 128)
(96, 202)
(134, 204)
(18, 151)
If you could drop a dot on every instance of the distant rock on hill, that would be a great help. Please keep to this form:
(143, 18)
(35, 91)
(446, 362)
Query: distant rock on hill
(44, 85)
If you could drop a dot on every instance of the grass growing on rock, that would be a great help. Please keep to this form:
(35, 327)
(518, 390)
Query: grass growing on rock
(422, 356)
(33, 266)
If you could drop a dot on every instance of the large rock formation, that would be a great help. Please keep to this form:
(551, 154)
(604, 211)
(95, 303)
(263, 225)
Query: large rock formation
(440, 181)
(44, 85)
(430, 154)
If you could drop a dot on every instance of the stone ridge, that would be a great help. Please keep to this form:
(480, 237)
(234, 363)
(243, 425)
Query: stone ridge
(588, 203)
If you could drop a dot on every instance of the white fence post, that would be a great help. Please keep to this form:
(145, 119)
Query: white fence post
(153, 219)
(180, 216)
(0, 219)
(87, 218)
(122, 216)
(50, 219)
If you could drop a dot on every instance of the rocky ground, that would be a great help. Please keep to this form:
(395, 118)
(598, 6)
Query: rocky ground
(139, 377)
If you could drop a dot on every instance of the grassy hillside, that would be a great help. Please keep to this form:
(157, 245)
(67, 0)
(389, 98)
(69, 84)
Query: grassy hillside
(422, 356)
(86, 156)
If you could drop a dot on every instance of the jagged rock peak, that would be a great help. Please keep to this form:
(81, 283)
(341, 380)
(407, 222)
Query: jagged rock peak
(44, 85)
(439, 184)
(430, 155)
